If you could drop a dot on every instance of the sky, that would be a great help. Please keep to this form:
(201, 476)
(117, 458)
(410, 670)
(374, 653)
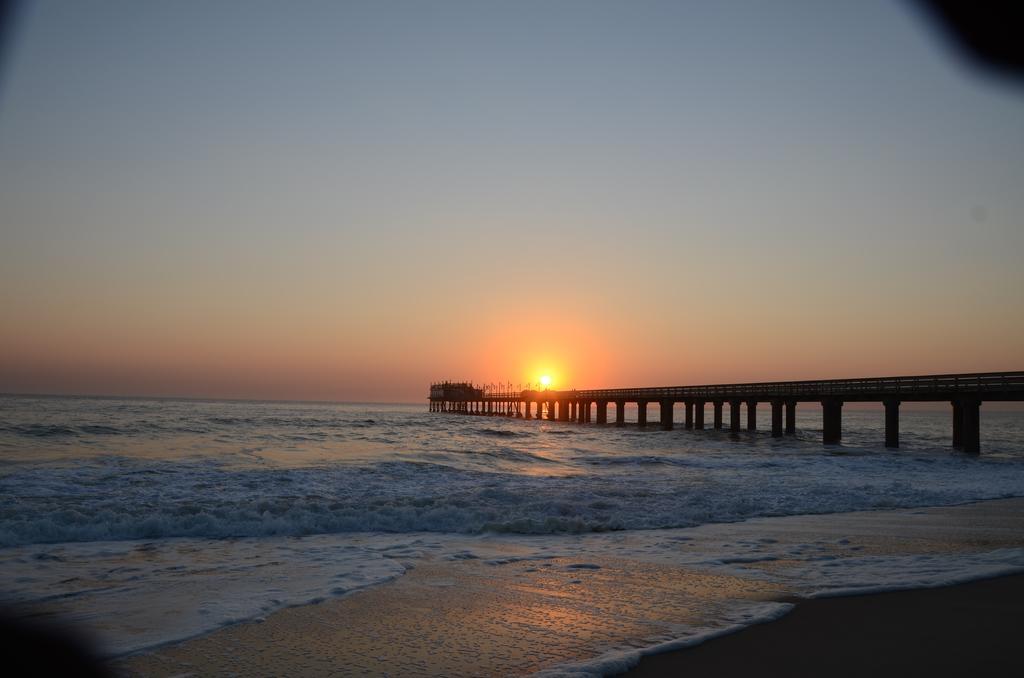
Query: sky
(349, 200)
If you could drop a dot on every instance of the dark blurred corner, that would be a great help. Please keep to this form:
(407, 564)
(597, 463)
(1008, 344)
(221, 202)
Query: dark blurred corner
(32, 645)
(985, 34)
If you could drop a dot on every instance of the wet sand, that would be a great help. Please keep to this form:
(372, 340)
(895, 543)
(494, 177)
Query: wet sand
(969, 629)
(463, 619)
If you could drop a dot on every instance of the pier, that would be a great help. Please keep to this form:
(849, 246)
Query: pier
(964, 392)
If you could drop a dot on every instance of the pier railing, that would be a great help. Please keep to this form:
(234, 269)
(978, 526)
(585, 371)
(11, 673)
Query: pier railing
(988, 385)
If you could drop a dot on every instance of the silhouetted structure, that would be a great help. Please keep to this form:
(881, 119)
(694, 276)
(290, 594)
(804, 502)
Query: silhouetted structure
(965, 392)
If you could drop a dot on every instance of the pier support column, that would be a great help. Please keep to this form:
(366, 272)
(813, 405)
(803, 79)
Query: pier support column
(580, 414)
(892, 422)
(688, 417)
(718, 413)
(641, 413)
(526, 409)
(698, 415)
(552, 415)
(958, 421)
(620, 412)
(751, 415)
(586, 412)
(970, 425)
(790, 417)
(776, 419)
(563, 410)
(734, 416)
(602, 411)
(666, 415)
(832, 416)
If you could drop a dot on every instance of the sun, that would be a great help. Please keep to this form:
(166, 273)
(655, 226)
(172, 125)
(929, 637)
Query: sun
(545, 381)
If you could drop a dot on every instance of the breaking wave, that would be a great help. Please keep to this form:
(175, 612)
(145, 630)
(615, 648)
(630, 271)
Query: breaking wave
(115, 499)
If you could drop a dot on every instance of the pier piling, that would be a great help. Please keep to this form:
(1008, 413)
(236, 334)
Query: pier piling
(776, 418)
(734, 416)
(892, 422)
(666, 415)
(832, 424)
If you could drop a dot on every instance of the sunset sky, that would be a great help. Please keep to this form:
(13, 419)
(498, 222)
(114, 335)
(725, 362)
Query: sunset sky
(347, 200)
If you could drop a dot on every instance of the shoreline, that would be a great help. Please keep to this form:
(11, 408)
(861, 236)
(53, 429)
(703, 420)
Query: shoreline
(513, 607)
(961, 629)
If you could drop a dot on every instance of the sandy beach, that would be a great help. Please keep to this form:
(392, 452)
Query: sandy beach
(591, 614)
(969, 629)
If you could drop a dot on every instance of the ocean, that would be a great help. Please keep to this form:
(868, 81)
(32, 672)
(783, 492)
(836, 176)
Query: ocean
(148, 521)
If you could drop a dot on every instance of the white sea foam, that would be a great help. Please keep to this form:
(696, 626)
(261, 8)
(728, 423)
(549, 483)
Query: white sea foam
(137, 595)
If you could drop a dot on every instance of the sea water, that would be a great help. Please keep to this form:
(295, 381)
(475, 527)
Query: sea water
(152, 520)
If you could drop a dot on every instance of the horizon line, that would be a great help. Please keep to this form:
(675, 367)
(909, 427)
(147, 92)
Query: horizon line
(108, 396)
